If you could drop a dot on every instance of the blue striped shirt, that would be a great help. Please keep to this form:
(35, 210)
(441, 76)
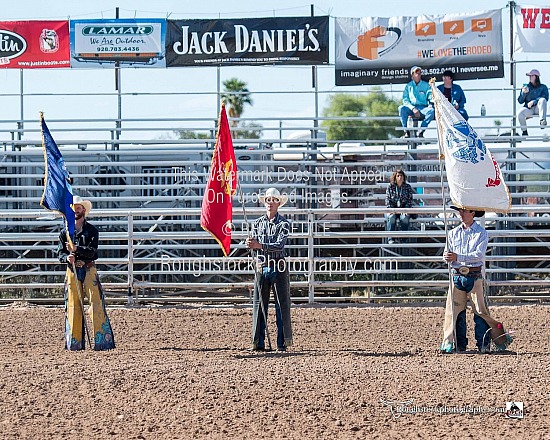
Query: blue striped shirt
(272, 235)
(470, 245)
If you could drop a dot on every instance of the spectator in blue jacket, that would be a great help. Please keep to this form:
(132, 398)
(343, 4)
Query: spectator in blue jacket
(534, 97)
(417, 102)
(454, 93)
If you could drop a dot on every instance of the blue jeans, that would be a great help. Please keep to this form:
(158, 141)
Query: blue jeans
(278, 321)
(428, 112)
(404, 220)
(466, 284)
(280, 284)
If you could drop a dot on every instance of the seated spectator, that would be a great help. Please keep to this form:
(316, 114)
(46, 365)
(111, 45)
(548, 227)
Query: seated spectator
(454, 93)
(417, 102)
(534, 97)
(398, 195)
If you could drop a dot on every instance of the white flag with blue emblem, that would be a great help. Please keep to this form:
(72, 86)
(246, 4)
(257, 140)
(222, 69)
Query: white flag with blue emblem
(475, 179)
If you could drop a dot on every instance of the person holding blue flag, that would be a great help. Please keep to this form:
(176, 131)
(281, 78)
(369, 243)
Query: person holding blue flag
(82, 278)
(78, 244)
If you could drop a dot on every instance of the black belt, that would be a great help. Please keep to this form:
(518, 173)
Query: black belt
(465, 270)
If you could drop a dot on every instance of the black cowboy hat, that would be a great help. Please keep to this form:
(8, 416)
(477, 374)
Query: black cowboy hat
(476, 214)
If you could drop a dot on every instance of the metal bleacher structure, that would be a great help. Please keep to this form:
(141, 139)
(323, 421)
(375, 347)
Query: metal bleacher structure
(147, 198)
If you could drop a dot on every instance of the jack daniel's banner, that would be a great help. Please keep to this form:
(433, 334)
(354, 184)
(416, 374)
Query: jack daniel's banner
(251, 41)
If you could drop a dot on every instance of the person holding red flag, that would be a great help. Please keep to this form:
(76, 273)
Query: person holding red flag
(269, 236)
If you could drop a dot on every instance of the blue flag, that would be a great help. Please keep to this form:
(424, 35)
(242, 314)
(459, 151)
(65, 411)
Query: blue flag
(58, 193)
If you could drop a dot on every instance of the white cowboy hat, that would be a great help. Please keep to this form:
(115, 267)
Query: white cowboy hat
(274, 194)
(77, 200)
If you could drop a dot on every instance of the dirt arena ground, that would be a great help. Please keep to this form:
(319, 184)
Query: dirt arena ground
(186, 373)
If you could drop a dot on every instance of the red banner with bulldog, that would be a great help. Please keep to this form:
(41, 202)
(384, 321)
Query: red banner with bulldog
(34, 44)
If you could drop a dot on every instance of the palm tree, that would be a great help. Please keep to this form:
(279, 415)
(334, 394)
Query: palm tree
(236, 95)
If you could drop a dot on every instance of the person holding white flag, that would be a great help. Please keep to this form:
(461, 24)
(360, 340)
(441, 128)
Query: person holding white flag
(476, 186)
(465, 252)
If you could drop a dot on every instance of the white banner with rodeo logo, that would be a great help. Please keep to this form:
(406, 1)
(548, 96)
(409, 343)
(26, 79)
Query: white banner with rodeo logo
(532, 33)
(373, 50)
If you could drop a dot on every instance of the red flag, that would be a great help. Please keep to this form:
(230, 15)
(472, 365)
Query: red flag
(217, 203)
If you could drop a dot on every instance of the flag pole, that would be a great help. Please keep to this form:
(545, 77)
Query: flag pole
(443, 197)
(257, 290)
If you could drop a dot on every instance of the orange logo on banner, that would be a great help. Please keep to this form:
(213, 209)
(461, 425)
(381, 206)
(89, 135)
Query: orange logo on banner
(423, 29)
(453, 27)
(482, 24)
(368, 44)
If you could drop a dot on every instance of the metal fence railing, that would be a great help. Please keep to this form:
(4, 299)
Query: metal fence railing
(326, 261)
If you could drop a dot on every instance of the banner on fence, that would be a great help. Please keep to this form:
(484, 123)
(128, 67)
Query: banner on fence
(34, 44)
(250, 41)
(122, 42)
(374, 50)
(532, 24)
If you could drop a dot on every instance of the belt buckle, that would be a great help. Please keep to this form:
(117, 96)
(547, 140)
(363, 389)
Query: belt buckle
(79, 264)
(464, 270)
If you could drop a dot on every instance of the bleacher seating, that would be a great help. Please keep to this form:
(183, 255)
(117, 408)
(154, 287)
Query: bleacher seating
(147, 197)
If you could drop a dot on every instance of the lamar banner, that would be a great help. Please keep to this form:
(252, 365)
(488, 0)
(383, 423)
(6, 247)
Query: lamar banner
(532, 24)
(375, 50)
(254, 41)
(130, 43)
(34, 44)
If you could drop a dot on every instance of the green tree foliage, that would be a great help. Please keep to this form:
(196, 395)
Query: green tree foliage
(252, 130)
(376, 103)
(189, 134)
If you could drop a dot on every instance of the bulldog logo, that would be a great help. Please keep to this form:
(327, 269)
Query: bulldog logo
(49, 41)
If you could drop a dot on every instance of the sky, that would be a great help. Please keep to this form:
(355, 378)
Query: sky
(190, 92)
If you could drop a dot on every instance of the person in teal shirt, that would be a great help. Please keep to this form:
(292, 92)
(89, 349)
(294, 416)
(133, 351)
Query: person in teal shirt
(417, 102)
